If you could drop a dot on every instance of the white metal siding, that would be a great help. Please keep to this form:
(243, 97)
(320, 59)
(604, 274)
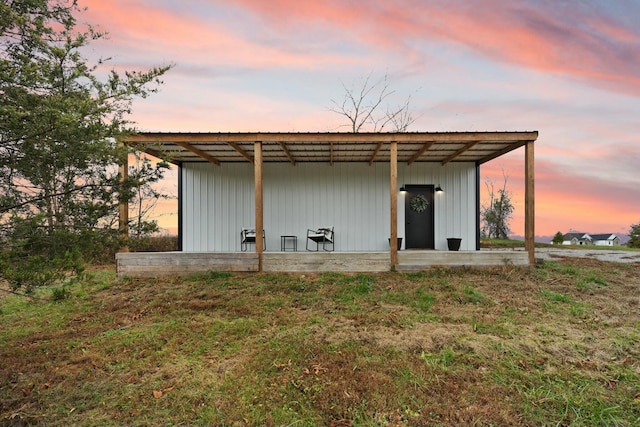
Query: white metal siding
(351, 197)
(214, 201)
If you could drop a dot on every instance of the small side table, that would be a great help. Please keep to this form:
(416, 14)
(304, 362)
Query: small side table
(293, 240)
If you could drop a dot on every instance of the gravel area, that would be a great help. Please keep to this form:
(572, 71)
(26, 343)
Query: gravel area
(599, 254)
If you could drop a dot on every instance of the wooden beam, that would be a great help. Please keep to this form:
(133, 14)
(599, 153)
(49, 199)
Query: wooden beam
(356, 147)
(257, 167)
(155, 153)
(420, 152)
(331, 153)
(284, 148)
(241, 151)
(375, 153)
(508, 148)
(361, 137)
(123, 203)
(393, 191)
(460, 151)
(529, 200)
(199, 152)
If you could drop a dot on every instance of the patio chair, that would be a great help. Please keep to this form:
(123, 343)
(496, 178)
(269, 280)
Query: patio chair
(248, 237)
(322, 236)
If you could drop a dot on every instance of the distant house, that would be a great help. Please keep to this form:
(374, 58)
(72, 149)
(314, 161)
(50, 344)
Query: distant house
(605, 239)
(577, 239)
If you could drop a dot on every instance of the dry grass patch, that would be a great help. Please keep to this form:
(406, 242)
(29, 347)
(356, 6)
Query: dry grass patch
(554, 345)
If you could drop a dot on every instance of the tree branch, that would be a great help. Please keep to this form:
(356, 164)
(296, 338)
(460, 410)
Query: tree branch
(5, 209)
(365, 107)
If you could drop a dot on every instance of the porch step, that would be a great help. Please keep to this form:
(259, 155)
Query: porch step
(420, 260)
(325, 261)
(152, 264)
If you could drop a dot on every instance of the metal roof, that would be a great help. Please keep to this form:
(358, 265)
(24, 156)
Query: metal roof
(331, 147)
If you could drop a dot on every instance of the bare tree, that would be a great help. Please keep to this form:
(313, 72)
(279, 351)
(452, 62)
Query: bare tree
(367, 109)
(497, 214)
(143, 178)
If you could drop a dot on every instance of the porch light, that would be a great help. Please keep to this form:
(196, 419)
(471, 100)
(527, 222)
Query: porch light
(403, 190)
(439, 189)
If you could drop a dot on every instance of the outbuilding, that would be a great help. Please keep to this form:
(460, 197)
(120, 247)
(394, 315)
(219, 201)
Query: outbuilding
(382, 194)
(605, 239)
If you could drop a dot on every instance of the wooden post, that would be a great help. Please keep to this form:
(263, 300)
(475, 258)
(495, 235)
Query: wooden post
(529, 200)
(393, 191)
(257, 165)
(123, 203)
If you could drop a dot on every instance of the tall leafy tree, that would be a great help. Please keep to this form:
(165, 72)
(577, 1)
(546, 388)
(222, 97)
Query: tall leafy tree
(59, 126)
(558, 238)
(634, 234)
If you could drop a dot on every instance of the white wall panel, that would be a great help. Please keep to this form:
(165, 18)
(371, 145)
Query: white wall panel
(352, 197)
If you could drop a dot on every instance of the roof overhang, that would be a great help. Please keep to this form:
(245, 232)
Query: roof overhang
(329, 147)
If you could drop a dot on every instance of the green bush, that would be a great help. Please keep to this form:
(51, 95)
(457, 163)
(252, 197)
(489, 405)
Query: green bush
(154, 244)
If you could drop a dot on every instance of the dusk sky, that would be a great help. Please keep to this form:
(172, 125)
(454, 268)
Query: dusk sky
(568, 69)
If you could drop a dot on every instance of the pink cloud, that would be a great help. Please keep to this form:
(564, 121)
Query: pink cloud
(150, 31)
(580, 43)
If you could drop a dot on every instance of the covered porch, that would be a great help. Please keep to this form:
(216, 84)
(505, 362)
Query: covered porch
(284, 183)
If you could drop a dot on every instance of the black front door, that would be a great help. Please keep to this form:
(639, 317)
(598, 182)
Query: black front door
(418, 217)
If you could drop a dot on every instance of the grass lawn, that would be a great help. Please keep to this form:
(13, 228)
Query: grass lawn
(555, 345)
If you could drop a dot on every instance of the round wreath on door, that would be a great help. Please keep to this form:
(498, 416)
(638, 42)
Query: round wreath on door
(419, 203)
